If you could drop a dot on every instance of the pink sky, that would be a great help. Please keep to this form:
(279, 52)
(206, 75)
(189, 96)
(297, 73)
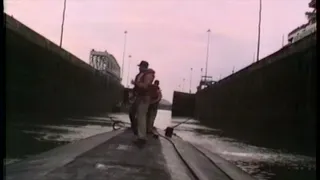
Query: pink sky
(170, 34)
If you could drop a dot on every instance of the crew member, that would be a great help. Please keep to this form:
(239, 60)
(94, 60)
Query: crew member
(143, 99)
(143, 66)
(156, 96)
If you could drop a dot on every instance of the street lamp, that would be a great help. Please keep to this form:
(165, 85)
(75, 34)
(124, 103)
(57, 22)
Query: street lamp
(259, 29)
(190, 80)
(206, 70)
(124, 52)
(62, 24)
(128, 70)
(183, 84)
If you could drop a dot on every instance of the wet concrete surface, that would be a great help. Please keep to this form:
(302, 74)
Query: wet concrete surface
(116, 159)
(27, 136)
(113, 155)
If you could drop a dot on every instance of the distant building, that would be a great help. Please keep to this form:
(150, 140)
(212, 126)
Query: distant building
(305, 29)
(105, 63)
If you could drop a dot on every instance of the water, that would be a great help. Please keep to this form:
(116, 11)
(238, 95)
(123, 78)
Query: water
(25, 139)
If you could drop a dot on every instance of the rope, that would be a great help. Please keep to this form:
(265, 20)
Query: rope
(180, 123)
(122, 124)
(211, 161)
(185, 162)
(181, 157)
(118, 123)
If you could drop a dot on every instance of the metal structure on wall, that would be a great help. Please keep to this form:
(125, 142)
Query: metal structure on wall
(205, 82)
(305, 29)
(105, 63)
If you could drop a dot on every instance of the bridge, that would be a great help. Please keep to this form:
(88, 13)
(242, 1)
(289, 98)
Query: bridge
(106, 63)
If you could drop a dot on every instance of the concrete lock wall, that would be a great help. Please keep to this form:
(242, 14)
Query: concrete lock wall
(269, 103)
(42, 78)
(183, 104)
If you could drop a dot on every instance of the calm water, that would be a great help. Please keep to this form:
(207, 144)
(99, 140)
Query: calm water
(25, 139)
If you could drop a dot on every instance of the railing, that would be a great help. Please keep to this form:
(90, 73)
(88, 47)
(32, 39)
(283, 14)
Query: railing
(286, 51)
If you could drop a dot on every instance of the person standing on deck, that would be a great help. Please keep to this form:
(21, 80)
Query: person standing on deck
(143, 66)
(156, 96)
(142, 85)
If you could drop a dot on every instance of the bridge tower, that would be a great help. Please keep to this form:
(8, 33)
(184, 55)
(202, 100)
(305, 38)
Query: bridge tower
(98, 60)
(104, 62)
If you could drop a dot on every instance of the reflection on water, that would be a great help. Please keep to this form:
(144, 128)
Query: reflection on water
(25, 139)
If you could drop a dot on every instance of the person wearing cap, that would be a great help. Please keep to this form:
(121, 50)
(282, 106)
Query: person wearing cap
(143, 66)
(142, 84)
(156, 96)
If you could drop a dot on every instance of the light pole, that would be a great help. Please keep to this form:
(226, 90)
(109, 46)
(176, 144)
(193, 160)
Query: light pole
(190, 80)
(200, 84)
(62, 24)
(201, 73)
(124, 52)
(128, 70)
(206, 70)
(259, 29)
(183, 84)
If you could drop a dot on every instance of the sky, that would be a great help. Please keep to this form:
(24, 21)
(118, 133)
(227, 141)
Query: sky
(170, 34)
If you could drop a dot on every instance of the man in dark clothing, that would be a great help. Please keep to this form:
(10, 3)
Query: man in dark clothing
(156, 96)
(132, 114)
